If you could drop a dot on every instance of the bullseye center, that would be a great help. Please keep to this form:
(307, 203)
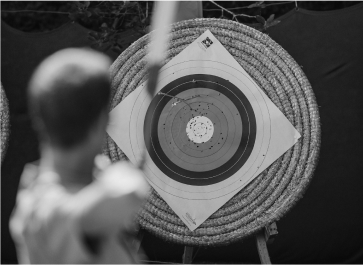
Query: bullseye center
(200, 129)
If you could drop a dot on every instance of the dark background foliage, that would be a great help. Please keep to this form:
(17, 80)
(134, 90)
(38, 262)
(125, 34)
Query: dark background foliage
(272, 7)
(109, 19)
(92, 14)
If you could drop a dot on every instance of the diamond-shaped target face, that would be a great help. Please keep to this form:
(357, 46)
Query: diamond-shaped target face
(208, 131)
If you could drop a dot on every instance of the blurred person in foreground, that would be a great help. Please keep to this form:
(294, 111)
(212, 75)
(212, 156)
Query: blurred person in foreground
(69, 210)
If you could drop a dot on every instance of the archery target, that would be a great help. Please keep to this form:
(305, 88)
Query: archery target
(219, 113)
(232, 120)
(208, 130)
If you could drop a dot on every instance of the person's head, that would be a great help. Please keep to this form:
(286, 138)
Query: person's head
(68, 96)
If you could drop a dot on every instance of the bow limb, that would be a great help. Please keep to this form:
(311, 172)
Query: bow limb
(163, 17)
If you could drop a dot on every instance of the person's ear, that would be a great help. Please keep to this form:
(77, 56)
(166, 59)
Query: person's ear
(101, 123)
(104, 119)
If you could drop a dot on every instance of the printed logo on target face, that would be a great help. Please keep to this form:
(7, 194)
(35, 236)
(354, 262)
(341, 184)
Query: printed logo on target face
(190, 218)
(206, 43)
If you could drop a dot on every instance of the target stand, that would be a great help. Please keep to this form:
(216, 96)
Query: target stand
(263, 238)
(232, 133)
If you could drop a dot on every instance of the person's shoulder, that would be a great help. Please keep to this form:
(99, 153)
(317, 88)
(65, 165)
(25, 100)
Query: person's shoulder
(37, 201)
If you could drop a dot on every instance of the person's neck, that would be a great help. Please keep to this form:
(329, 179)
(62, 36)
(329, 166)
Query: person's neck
(74, 166)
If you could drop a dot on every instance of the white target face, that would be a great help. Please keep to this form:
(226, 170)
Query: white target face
(208, 131)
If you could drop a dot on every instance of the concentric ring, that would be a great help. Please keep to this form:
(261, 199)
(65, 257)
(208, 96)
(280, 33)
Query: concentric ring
(199, 129)
(229, 167)
(221, 147)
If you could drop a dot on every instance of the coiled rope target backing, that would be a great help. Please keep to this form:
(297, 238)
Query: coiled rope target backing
(270, 195)
(5, 123)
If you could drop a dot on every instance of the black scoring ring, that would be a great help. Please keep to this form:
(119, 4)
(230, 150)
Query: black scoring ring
(206, 177)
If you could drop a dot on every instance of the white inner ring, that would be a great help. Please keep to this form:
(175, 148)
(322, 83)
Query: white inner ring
(200, 129)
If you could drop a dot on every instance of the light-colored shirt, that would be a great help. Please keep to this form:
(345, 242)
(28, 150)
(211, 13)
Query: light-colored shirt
(52, 223)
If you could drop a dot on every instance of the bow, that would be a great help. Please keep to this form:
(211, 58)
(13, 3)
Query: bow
(164, 15)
